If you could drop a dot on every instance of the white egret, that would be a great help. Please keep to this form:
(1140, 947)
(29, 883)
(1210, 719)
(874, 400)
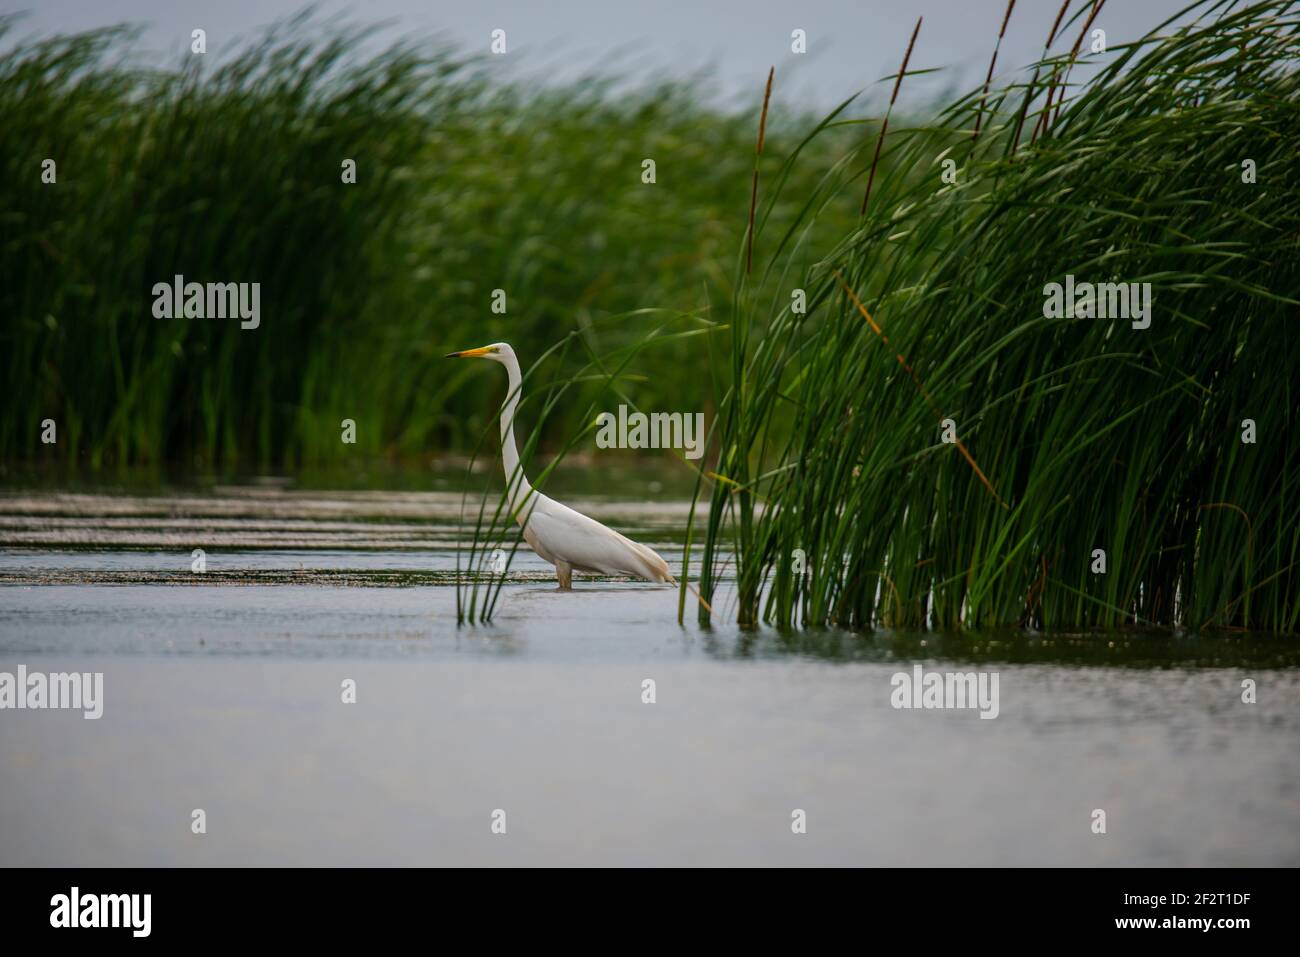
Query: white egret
(567, 539)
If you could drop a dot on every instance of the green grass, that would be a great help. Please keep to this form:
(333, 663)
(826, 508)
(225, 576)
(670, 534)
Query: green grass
(1075, 434)
(231, 171)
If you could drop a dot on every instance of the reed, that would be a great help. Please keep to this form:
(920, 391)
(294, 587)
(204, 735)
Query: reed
(1072, 435)
(465, 184)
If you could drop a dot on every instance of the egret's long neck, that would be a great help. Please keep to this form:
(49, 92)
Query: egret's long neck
(516, 482)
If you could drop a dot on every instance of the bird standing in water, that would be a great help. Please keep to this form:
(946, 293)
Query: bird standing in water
(567, 539)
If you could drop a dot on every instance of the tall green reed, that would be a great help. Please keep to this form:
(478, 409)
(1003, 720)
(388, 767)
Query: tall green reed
(230, 170)
(1072, 435)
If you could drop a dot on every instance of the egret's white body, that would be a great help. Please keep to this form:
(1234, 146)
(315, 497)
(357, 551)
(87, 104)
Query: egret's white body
(567, 539)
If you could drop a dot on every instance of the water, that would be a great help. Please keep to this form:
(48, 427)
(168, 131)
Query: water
(223, 692)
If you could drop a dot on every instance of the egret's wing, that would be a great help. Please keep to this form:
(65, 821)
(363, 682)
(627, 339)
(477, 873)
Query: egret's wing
(587, 544)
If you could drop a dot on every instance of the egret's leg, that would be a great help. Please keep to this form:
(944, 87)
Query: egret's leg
(564, 572)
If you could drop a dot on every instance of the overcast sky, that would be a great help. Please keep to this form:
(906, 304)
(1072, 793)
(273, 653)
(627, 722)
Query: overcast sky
(851, 43)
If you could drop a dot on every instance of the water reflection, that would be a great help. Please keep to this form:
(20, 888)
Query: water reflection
(1123, 649)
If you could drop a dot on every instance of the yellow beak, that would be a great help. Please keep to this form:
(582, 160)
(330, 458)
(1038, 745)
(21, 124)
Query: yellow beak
(469, 353)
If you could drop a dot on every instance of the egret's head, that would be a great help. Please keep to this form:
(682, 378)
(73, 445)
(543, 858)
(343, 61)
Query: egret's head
(496, 352)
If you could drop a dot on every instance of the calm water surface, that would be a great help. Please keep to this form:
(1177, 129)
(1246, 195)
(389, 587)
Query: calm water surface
(222, 692)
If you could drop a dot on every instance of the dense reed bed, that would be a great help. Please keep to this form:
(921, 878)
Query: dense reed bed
(901, 435)
(925, 448)
(230, 170)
